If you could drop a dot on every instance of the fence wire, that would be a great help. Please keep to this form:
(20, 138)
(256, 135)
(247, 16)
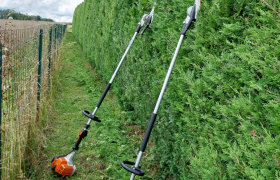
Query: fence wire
(23, 85)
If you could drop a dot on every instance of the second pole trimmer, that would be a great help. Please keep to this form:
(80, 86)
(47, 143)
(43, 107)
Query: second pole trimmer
(64, 165)
(135, 170)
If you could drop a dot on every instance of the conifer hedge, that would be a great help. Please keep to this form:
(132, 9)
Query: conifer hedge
(220, 115)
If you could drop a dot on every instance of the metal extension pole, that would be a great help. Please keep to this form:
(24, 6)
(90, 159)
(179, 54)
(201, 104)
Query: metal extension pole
(113, 77)
(147, 19)
(168, 74)
(91, 116)
(135, 170)
(153, 118)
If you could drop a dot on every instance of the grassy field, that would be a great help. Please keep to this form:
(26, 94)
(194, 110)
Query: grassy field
(77, 87)
(20, 24)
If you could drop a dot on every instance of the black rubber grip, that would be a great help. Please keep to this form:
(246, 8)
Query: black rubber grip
(82, 135)
(138, 28)
(186, 27)
(148, 132)
(146, 27)
(134, 170)
(103, 95)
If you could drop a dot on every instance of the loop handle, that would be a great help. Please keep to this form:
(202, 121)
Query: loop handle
(135, 170)
(89, 115)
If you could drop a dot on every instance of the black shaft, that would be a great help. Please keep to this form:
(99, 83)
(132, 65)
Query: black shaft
(138, 28)
(186, 27)
(103, 95)
(188, 24)
(146, 27)
(148, 132)
(83, 133)
(77, 143)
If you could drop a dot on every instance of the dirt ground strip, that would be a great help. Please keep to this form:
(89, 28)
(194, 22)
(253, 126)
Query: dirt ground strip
(19, 24)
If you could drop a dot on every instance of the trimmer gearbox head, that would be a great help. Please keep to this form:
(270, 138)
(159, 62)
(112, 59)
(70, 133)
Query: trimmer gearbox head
(63, 165)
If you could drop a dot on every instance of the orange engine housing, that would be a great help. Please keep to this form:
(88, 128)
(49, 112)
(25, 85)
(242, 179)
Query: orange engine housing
(62, 167)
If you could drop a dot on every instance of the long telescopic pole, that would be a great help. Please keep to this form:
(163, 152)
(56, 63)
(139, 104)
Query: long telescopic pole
(91, 116)
(135, 170)
(154, 115)
(113, 76)
(146, 19)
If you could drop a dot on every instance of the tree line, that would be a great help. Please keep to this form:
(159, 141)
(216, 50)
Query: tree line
(6, 13)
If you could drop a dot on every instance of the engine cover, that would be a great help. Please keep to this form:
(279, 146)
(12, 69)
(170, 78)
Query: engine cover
(63, 165)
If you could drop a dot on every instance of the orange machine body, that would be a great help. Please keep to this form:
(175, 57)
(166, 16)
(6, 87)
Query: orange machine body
(62, 167)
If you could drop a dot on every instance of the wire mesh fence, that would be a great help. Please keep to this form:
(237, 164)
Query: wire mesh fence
(27, 56)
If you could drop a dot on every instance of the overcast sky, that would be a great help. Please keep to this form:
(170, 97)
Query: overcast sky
(58, 10)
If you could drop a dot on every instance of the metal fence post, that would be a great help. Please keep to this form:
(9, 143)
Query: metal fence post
(39, 68)
(50, 53)
(0, 107)
(64, 28)
(55, 37)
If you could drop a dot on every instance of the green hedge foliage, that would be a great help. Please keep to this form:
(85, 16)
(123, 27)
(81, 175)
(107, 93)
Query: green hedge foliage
(220, 115)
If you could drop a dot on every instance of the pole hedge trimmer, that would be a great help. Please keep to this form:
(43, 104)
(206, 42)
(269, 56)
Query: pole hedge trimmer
(135, 170)
(64, 165)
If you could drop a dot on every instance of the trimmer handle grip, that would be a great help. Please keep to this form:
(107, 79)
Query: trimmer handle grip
(134, 170)
(138, 28)
(89, 115)
(82, 135)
